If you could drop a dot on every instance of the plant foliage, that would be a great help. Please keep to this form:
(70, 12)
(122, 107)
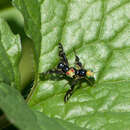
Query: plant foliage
(99, 32)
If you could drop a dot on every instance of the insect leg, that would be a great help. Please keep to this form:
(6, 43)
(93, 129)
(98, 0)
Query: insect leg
(90, 81)
(54, 71)
(77, 61)
(70, 91)
(62, 54)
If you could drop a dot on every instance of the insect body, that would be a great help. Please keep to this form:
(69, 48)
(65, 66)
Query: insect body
(70, 72)
(75, 73)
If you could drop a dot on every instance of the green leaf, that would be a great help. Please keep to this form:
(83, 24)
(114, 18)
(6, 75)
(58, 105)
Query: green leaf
(99, 32)
(32, 24)
(14, 20)
(17, 111)
(4, 4)
(47, 123)
(15, 108)
(11, 102)
(10, 53)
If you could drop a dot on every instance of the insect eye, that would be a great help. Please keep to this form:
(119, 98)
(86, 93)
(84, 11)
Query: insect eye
(60, 66)
(82, 72)
(65, 68)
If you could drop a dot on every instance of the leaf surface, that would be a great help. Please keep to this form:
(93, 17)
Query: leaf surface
(10, 53)
(17, 111)
(11, 101)
(99, 32)
(15, 108)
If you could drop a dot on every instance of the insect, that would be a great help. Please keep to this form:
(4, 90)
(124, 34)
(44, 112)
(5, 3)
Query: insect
(76, 73)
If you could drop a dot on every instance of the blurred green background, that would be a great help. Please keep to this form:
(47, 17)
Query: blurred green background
(16, 23)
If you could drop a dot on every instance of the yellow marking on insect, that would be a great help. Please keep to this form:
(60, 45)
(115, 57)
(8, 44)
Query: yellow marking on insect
(89, 73)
